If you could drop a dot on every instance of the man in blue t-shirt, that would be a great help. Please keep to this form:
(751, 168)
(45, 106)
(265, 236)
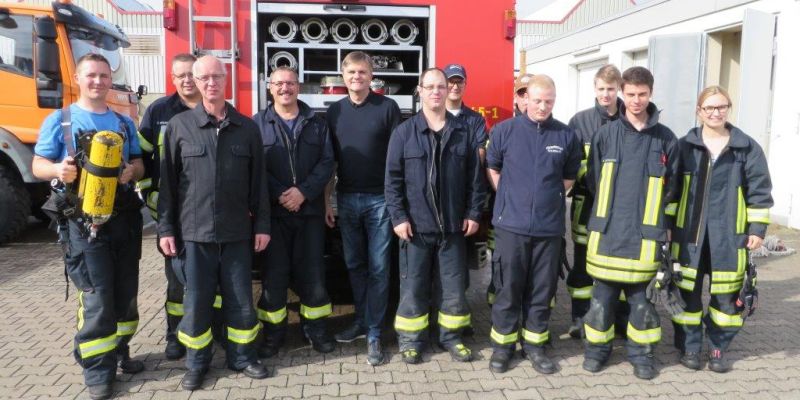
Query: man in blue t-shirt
(105, 268)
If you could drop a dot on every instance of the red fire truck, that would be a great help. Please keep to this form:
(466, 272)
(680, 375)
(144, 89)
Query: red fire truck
(402, 36)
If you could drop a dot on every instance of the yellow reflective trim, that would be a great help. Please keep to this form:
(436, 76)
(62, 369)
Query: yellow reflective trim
(688, 318)
(606, 176)
(688, 272)
(195, 342)
(218, 301)
(152, 200)
(741, 217)
(535, 338)
(723, 288)
(490, 297)
(584, 293)
(622, 296)
(174, 309)
(595, 336)
(413, 324)
(98, 346)
(552, 302)
(621, 269)
(80, 310)
(687, 180)
(161, 141)
(582, 169)
(272, 317)
(243, 336)
(502, 339)
(144, 143)
(144, 184)
(453, 322)
(725, 320)
(686, 284)
(315, 312)
(127, 328)
(652, 205)
(645, 336)
(579, 231)
(758, 215)
(675, 249)
(671, 209)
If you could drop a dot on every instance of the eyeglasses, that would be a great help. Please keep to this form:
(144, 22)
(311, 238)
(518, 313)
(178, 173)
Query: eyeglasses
(288, 84)
(710, 109)
(456, 83)
(181, 77)
(434, 88)
(206, 78)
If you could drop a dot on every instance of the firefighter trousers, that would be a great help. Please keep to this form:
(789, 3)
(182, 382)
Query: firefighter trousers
(722, 320)
(294, 257)
(206, 266)
(579, 285)
(644, 325)
(525, 277)
(106, 273)
(431, 260)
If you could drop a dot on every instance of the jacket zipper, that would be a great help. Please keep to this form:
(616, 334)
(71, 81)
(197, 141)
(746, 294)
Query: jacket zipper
(430, 185)
(289, 149)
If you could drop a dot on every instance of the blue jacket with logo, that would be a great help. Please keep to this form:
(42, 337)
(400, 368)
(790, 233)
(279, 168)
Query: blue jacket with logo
(534, 159)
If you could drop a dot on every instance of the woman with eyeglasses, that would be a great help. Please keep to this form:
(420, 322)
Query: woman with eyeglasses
(722, 214)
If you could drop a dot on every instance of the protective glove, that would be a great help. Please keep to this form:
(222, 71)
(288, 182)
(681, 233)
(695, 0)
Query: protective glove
(564, 269)
(747, 303)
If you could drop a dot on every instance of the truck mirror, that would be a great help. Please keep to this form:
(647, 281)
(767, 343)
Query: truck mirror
(46, 28)
(141, 91)
(47, 59)
(5, 19)
(49, 89)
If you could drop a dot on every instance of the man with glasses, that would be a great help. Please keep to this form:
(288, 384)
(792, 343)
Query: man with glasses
(151, 139)
(520, 90)
(213, 212)
(434, 194)
(360, 126)
(298, 164)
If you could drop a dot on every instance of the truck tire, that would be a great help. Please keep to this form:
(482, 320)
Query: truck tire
(15, 205)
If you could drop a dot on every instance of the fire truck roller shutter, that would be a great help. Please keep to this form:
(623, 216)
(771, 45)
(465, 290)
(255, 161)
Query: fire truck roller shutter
(283, 29)
(404, 32)
(314, 30)
(344, 31)
(374, 31)
(283, 59)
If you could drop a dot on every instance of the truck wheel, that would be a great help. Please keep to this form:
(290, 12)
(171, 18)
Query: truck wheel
(15, 205)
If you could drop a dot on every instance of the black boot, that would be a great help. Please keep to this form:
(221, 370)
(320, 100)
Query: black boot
(174, 350)
(716, 362)
(500, 360)
(540, 361)
(100, 392)
(193, 379)
(691, 360)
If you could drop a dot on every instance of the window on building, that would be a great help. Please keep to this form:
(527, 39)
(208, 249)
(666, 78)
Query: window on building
(16, 44)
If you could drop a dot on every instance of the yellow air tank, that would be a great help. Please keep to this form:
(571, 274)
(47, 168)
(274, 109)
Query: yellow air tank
(99, 176)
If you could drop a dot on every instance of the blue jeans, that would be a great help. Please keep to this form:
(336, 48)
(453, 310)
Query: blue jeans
(366, 234)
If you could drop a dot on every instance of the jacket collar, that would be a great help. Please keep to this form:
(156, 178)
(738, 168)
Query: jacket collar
(538, 125)
(304, 113)
(202, 118)
(175, 102)
(421, 125)
(603, 112)
(652, 119)
(738, 139)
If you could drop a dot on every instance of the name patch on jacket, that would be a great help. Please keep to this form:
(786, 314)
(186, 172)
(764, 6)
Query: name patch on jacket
(554, 149)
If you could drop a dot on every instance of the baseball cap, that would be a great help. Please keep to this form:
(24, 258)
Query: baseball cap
(458, 70)
(522, 82)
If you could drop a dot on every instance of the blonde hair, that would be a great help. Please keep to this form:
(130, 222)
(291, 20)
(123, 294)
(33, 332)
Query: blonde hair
(542, 81)
(710, 91)
(609, 73)
(357, 57)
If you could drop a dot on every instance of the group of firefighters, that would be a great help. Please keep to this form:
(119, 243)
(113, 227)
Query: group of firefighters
(228, 191)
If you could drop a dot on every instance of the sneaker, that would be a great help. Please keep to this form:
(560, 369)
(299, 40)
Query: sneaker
(592, 365)
(130, 366)
(716, 362)
(174, 350)
(411, 356)
(100, 392)
(691, 360)
(576, 329)
(459, 352)
(499, 361)
(374, 352)
(540, 361)
(353, 332)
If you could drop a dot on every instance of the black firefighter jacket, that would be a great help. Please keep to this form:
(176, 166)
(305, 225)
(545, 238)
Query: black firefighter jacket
(723, 203)
(585, 123)
(212, 179)
(303, 159)
(411, 173)
(631, 177)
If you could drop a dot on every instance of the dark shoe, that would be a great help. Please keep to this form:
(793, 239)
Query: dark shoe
(644, 371)
(576, 329)
(374, 352)
(267, 350)
(99, 392)
(499, 361)
(469, 331)
(541, 362)
(592, 365)
(716, 362)
(193, 379)
(459, 352)
(691, 360)
(411, 356)
(130, 366)
(322, 344)
(353, 332)
(256, 370)
(174, 350)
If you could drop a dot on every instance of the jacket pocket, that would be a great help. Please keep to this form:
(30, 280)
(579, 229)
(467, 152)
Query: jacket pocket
(497, 269)
(239, 163)
(403, 259)
(76, 269)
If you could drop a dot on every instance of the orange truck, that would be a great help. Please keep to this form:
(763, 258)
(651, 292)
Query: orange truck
(38, 50)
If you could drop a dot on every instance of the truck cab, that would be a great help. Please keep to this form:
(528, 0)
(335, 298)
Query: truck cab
(38, 50)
